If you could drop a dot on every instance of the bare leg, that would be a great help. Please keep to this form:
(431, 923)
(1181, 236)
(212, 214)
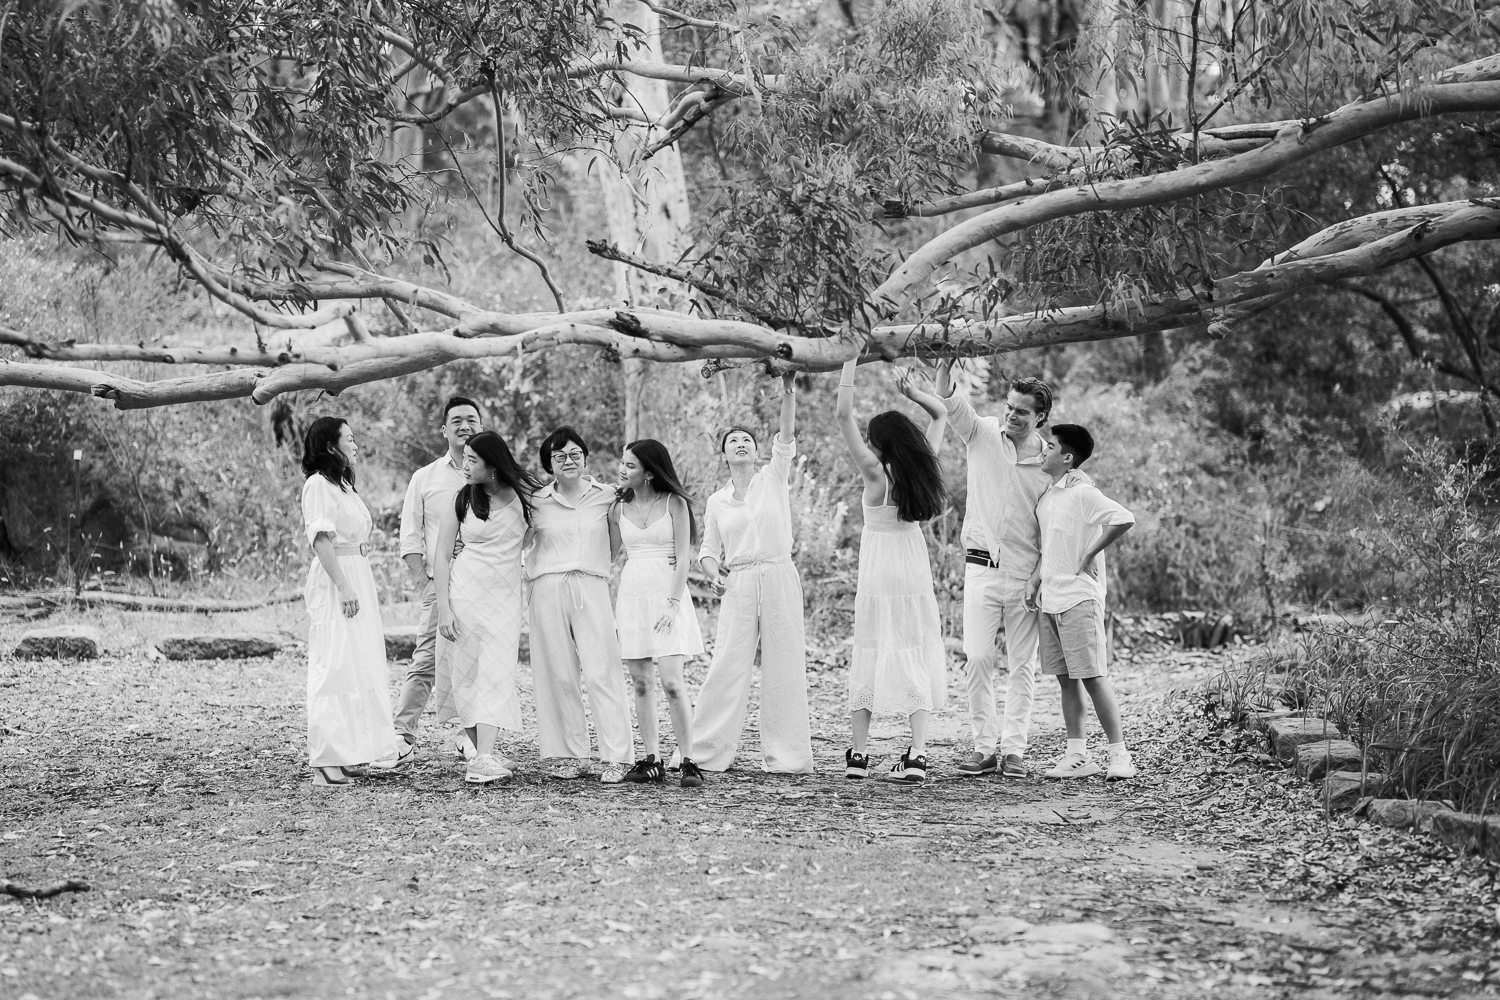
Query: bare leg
(1102, 694)
(484, 736)
(859, 721)
(1072, 705)
(679, 706)
(918, 734)
(641, 680)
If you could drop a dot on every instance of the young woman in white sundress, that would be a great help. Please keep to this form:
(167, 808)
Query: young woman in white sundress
(898, 663)
(653, 611)
(480, 602)
(348, 704)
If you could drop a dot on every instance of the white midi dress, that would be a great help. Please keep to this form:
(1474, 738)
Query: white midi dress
(476, 677)
(348, 697)
(899, 664)
(645, 585)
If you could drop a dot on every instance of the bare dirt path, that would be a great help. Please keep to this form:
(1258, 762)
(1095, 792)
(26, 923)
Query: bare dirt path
(178, 791)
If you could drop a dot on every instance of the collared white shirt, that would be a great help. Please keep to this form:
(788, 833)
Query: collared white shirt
(759, 527)
(1073, 514)
(999, 514)
(567, 537)
(428, 495)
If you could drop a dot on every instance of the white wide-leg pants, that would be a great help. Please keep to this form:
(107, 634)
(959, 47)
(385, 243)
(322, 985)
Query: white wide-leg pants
(993, 601)
(573, 635)
(761, 606)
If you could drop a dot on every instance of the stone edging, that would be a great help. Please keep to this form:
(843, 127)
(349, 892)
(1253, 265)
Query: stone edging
(1316, 750)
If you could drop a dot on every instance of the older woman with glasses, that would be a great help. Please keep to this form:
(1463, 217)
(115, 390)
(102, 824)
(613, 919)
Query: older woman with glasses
(568, 557)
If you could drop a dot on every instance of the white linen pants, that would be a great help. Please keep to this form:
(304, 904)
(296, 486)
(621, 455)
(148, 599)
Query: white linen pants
(993, 600)
(762, 605)
(573, 636)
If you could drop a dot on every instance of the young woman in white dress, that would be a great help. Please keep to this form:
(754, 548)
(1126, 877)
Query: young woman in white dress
(898, 663)
(348, 703)
(653, 611)
(480, 603)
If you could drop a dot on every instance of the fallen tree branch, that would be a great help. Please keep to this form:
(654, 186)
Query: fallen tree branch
(135, 602)
(20, 892)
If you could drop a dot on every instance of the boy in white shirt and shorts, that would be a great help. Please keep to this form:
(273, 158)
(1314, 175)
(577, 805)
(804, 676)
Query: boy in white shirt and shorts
(1077, 524)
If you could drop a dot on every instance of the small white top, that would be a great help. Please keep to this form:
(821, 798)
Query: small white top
(339, 512)
(569, 538)
(429, 494)
(759, 527)
(1072, 514)
(999, 513)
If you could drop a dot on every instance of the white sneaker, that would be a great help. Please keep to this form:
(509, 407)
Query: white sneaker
(396, 758)
(612, 774)
(463, 749)
(674, 763)
(1120, 768)
(1073, 766)
(485, 769)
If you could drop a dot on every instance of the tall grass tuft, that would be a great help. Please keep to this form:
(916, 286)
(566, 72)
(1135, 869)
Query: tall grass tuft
(1420, 685)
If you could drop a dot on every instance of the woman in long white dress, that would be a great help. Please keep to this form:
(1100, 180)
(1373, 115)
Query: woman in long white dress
(480, 601)
(898, 664)
(653, 612)
(348, 701)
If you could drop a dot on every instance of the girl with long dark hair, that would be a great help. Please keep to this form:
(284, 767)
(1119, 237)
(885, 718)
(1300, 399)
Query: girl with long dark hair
(480, 603)
(899, 663)
(348, 706)
(654, 612)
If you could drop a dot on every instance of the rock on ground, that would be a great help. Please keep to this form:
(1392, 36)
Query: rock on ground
(401, 641)
(1467, 832)
(235, 646)
(1344, 789)
(1286, 735)
(63, 642)
(1316, 759)
(1402, 813)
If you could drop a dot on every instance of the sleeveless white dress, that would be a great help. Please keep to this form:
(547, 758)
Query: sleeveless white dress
(476, 677)
(645, 583)
(899, 664)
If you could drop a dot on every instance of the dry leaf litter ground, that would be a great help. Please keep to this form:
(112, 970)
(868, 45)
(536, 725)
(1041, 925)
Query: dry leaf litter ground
(178, 791)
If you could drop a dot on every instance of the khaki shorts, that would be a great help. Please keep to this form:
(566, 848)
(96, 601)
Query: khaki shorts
(1072, 643)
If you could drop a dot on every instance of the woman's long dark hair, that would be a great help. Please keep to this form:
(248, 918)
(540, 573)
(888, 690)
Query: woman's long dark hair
(657, 462)
(320, 452)
(508, 472)
(915, 475)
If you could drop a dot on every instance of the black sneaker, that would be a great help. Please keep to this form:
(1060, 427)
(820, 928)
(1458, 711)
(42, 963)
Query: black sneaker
(856, 765)
(910, 769)
(692, 777)
(646, 770)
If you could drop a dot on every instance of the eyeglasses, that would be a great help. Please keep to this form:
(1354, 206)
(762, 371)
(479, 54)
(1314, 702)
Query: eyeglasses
(571, 457)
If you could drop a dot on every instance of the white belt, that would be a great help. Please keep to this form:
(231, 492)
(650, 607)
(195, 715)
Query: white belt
(351, 549)
(759, 577)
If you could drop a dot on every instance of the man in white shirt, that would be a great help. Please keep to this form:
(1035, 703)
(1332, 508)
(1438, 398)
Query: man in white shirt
(1001, 548)
(748, 533)
(1078, 523)
(428, 495)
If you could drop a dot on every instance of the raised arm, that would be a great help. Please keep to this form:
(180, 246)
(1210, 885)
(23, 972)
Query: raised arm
(787, 427)
(864, 459)
(908, 384)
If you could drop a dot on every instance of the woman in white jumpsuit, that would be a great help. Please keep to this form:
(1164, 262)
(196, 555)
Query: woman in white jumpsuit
(748, 533)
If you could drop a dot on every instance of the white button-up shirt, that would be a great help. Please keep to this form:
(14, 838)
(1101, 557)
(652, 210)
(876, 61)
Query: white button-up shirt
(759, 527)
(999, 514)
(1073, 514)
(567, 537)
(428, 495)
